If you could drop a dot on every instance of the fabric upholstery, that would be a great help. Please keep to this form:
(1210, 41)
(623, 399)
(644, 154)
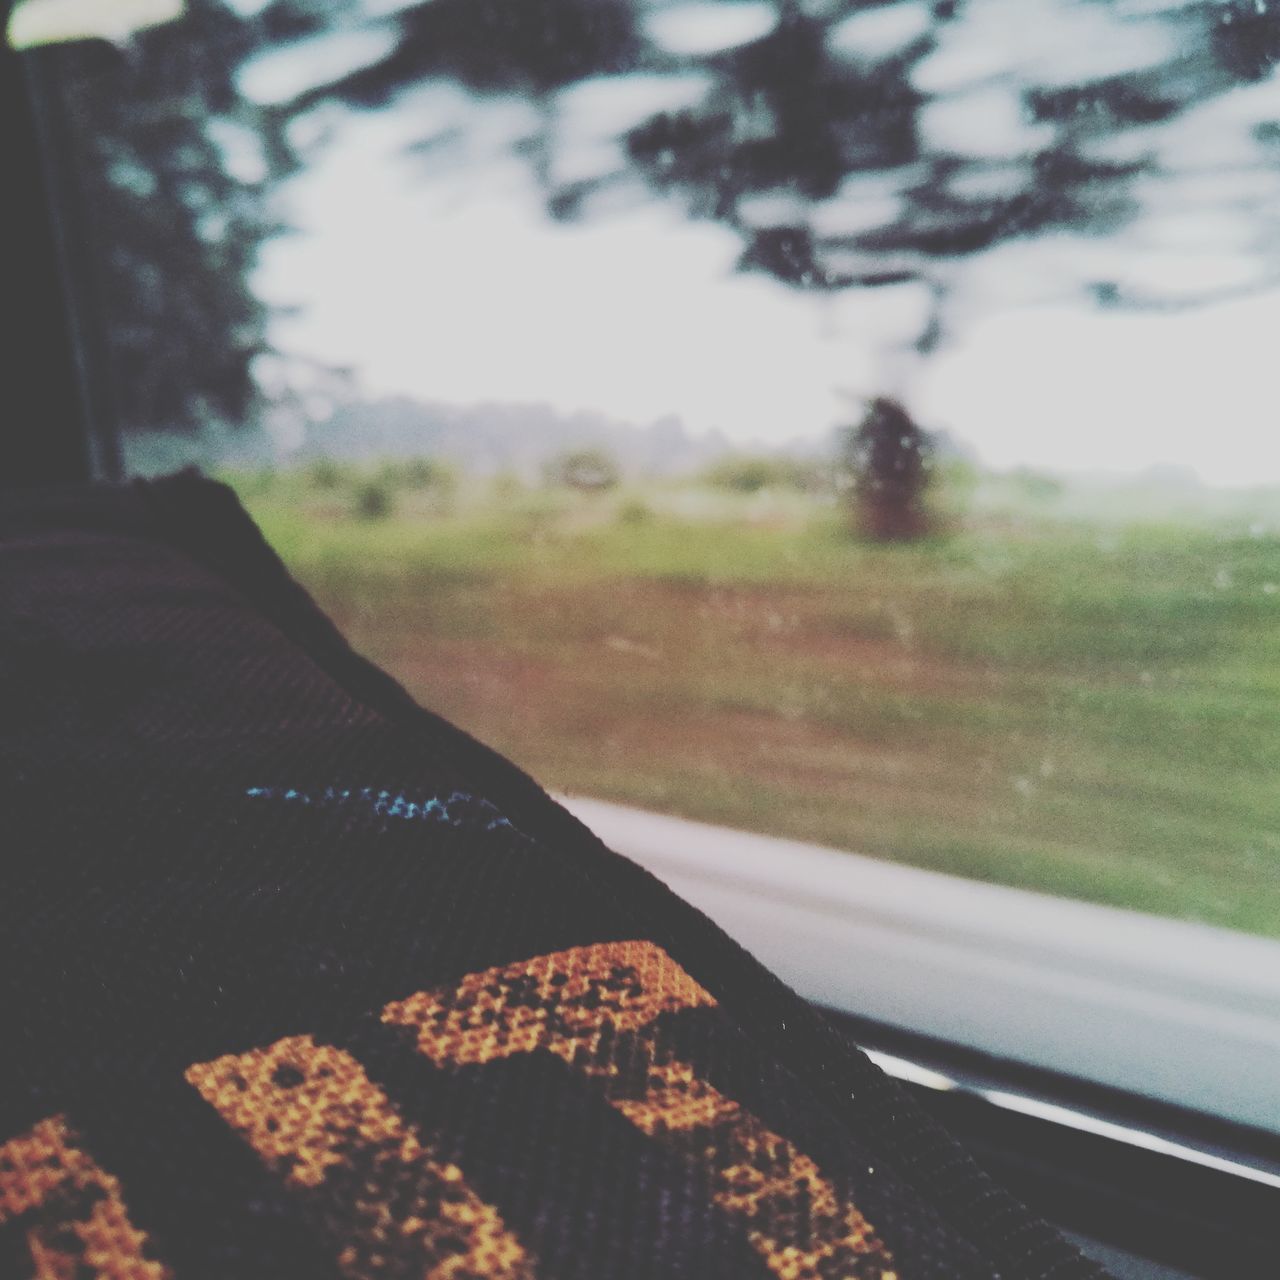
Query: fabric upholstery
(296, 979)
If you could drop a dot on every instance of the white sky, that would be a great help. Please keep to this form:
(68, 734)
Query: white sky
(452, 284)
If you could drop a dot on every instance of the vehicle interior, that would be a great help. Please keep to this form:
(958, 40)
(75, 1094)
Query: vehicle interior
(830, 445)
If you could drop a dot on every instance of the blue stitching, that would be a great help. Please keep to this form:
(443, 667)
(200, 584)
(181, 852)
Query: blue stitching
(385, 805)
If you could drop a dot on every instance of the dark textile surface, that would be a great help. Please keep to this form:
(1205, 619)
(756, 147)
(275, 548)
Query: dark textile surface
(296, 979)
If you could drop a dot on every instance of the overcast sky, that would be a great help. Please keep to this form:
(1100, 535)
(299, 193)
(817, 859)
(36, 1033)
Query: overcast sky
(438, 275)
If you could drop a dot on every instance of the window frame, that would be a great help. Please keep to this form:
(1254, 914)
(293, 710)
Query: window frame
(61, 428)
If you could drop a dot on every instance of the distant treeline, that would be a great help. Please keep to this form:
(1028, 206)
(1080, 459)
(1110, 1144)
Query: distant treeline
(881, 470)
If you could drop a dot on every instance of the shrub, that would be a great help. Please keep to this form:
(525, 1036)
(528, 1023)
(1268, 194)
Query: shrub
(635, 511)
(373, 500)
(323, 473)
(587, 470)
(753, 473)
(427, 474)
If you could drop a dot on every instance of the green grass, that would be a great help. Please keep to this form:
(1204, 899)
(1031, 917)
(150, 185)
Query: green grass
(1042, 698)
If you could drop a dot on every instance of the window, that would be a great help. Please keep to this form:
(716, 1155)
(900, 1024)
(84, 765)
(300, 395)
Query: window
(841, 421)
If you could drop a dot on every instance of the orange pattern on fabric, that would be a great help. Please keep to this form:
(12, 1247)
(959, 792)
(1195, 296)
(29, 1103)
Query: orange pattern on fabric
(370, 1181)
(548, 1002)
(78, 1226)
(597, 1008)
(391, 1205)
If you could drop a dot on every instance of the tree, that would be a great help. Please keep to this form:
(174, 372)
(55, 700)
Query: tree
(887, 462)
(168, 178)
(172, 171)
(845, 112)
(836, 140)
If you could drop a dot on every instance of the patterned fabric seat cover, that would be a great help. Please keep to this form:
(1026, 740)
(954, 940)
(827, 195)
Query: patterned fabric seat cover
(297, 979)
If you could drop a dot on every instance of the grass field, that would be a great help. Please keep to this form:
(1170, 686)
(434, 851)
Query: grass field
(1055, 694)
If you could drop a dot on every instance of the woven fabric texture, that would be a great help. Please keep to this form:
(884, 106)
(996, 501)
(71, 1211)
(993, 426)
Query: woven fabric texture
(296, 979)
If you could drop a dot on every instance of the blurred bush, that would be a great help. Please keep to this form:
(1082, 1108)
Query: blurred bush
(324, 473)
(373, 500)
(587, 470)
(635, 511)
(754, 473)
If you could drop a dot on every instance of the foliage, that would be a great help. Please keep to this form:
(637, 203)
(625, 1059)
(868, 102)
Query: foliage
(587, 470)
(635, 511)
(420, 475)
(888, 461)
(373, 500)
(813, 122)
(428, 473)
(324, 473)
(174, 225)
(752, 473)
(837, 161)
